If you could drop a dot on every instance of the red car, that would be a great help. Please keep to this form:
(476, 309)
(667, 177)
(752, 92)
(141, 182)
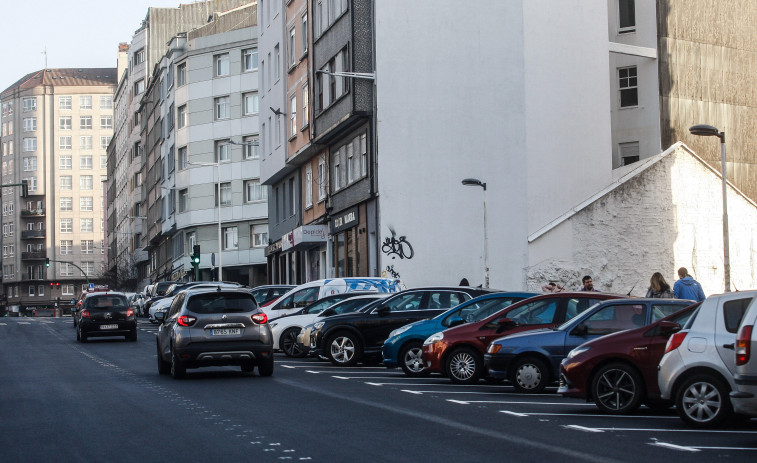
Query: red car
(458, 352)
(619, 371)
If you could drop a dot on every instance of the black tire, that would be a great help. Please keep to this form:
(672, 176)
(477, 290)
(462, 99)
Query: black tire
(344, 349)
(82, 335)
(530, 375)
(78, 335)
(178, 371)
(411, 361)
(163, 367)
(288, 343)
(464, 366)
(132, 337)
(265, 367)
(702, 401)
(617, 389)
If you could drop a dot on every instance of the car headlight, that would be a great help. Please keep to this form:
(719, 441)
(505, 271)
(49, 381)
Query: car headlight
(318, 326)
(399, 331)
(578, 350)
(436, 337)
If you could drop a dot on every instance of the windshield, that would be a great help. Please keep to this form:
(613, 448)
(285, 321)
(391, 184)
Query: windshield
(574, 321)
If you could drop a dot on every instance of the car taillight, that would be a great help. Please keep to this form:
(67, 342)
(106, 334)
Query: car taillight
(186, 320)
(675, 341)
(85, 314)
(744, 344)
(129, 312)
(259, 318)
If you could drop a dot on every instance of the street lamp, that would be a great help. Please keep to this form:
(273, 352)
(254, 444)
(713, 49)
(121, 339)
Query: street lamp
(703, 130)
(476, 182)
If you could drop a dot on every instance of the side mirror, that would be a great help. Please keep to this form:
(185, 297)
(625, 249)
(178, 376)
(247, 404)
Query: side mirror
(504, 324)
(455, 321)
(667, 327)
(580, 330)
(160, 316)
(383, 311)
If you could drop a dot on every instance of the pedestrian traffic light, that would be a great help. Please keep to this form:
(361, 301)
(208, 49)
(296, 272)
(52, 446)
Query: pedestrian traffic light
(24, 188)
(196, 255)
(47, 262)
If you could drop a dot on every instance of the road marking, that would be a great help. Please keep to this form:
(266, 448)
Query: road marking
(411, 392)
(513, 413)
(674, 447)
(461, 402)
(707, 431)
(4, 324)
(509, 402)
(725, 448)
(340, 377)
(600, 415)
(312, 372)
(287, 366)
(582, 428)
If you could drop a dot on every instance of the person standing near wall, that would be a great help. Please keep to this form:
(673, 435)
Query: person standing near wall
(588, 284)
(687, 287)
(659, 288)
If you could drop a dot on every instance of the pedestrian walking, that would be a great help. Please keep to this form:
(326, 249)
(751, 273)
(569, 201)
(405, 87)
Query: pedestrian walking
(588, 284)
(659, 288)
(687, 287)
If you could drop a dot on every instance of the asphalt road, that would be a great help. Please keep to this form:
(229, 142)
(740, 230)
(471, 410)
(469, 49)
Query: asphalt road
(104, 401)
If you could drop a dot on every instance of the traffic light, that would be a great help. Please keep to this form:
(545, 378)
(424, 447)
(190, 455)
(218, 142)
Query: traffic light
(196, 255)
(47, 262)
(24, 188)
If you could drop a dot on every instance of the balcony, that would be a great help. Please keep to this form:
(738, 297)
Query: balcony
(32, 213)
(33, 255)
(32, 234)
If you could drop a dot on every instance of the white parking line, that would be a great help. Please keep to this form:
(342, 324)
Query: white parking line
(600, 415)
(674, 447)
(706, 431)
(411, 392)
(513, 413)
(582, 428)
(520, 402)
(725, 448)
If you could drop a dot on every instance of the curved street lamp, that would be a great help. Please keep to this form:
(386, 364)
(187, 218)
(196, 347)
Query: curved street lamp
(477, 182)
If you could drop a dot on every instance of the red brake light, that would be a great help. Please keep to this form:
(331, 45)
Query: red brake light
(744, 345)
(129, 312)
(186, 320)
(85, 314)
(675, 341)
(259, 318)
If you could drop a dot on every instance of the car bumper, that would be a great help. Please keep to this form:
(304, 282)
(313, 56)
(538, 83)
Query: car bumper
(567, 386)
(744, 398)
(389, 354)
(433, 355)
(497, 365)
(195, 355)
(93, 329)
(667, 372)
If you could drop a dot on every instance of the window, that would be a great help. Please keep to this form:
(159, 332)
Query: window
(85, 122)
(137, 149)
(67, 289)
(305, 100)
(64, 122)
(30, 163)
(733, 312)
(66, 246)
(250, 103)
(104, 142)
(293, 115)
(614, 318)
(29, 104)
(85, 102)
(88, 268)
(629, 152)
(181, 74)
(86, 203)
(64, 162)
(291, 47)
(251, 147)
(64, 102)
(321, 179)
(278, 130)
(106, 102)
(363, 155)
(139, 86)
(30, 144)
(629, 92)
(85, 143)
(308, 185)
(222, 64)
(183, 200)
(230, 238)
(350, 164)
(259, 235)
(292, 198)
(223, 151)
(66, 204)
(337, 181)
(226, 194)
(304, 33)
(182, 158)
(171, 160)
(626, 16)
(85, 162)
(66, 182)
(222, 106)
(66, 225)
(249, 59)
(277, 63)
(103, 162)
(181, 116)
(65, 142)
(30, 124)
(86, 182)
(32, 288)
(138, 179)
(254, 191)
(87, 225)
(87, 247)
(106, 122)
(139, 56)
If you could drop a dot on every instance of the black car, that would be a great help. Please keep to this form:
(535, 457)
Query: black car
(349, 338)
(106, 314)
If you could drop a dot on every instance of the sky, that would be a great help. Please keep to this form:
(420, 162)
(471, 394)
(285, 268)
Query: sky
(77, 33)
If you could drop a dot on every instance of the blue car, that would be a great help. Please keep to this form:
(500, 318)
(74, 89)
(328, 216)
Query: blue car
(404, 346)
(531, 360)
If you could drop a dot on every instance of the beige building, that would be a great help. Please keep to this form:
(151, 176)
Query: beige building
(56, 127)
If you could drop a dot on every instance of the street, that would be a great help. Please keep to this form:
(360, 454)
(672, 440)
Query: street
(104, 401)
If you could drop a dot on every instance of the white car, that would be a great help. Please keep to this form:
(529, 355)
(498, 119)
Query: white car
(285, 329)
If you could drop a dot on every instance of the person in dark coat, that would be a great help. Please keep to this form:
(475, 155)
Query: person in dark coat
(659, 288)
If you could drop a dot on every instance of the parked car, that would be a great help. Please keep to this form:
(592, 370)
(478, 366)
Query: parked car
(305, 294)
(349, 338)
(458, 352)
(744, 396)
(697, 370)
(619, 371)
(157, 291)
(106, 314)
(268, 293)
(286, 329)
(212, 327)
(531, 360)
(404, 347)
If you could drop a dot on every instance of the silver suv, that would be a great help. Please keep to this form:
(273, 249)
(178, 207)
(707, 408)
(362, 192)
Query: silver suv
(699, 362)
(213, 327)
(744, 398)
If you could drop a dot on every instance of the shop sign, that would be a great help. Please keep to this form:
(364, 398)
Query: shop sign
(303, 235)
(273, 248)
(344, 220)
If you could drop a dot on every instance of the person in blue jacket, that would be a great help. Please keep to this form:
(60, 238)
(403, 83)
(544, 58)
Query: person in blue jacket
(687, 287)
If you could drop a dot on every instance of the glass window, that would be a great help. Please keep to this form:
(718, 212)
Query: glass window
(66, 225)
(223, 151)
(86, 203)
(86, 182)
(251, 147)
(85, 102)
(181, 74)
(65, 143)
(293, 115)
(305, 99)
(250, 103)
(223, 107)
(222, 64)
(85, 143)
(226, 194)
(87, 225)
(87, 246)
(64, 102)
(733, 312)
(66, 246)
(614, 318)
(106, 122)
(29, 104)
(403, 302)
(254, 191)
(66, 204)
(249, 59)
(536, 313)
(230, 238)
(627, 83)
(182, 157)
(181, 116)
(106, 102)
(626, 16)
(30, 124)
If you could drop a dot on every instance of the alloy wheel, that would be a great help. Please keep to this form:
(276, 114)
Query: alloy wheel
(701, 402)
(413, 359)
(462, 366)
(342, 349)
(616, 389)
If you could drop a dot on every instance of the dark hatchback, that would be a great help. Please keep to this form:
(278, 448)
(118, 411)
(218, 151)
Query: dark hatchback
(619, 371)
(106, 314)
(349, 338)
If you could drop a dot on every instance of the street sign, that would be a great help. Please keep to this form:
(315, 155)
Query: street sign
(91, 286)
(213, 258)
(73, 301)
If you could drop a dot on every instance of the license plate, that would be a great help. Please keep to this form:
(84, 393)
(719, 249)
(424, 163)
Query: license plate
(108, 327)
(226, 331)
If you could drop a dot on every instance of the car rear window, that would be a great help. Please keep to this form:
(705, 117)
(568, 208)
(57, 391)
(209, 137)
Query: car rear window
(221, 303)
(106, 302)
(733, 311)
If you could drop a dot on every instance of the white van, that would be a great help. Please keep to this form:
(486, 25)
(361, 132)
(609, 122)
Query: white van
(300, 296)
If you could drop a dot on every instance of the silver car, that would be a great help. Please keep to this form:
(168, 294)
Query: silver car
(213, 327)
(744, 397)
(699, 362)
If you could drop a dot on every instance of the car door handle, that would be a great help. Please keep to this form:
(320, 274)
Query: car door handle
(728, 346)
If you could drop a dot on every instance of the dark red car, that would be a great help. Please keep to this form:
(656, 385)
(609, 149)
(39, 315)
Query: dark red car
(458, 352)
(619, 371)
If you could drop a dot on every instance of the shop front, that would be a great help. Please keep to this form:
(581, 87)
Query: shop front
(350, 243)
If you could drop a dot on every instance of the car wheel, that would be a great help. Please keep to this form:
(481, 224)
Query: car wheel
(178, 371)
(288, 343)
(530, 375)
(702, 401)
(265, 367)
(344, 349)
(163, 367)
(617, 389)
(78, 335)
(82, 335)
(464, 366)
(132, 337)
(411, 361)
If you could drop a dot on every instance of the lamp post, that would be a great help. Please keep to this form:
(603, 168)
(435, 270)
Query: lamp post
(476, 182)
(710, 131)
(217, 164)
